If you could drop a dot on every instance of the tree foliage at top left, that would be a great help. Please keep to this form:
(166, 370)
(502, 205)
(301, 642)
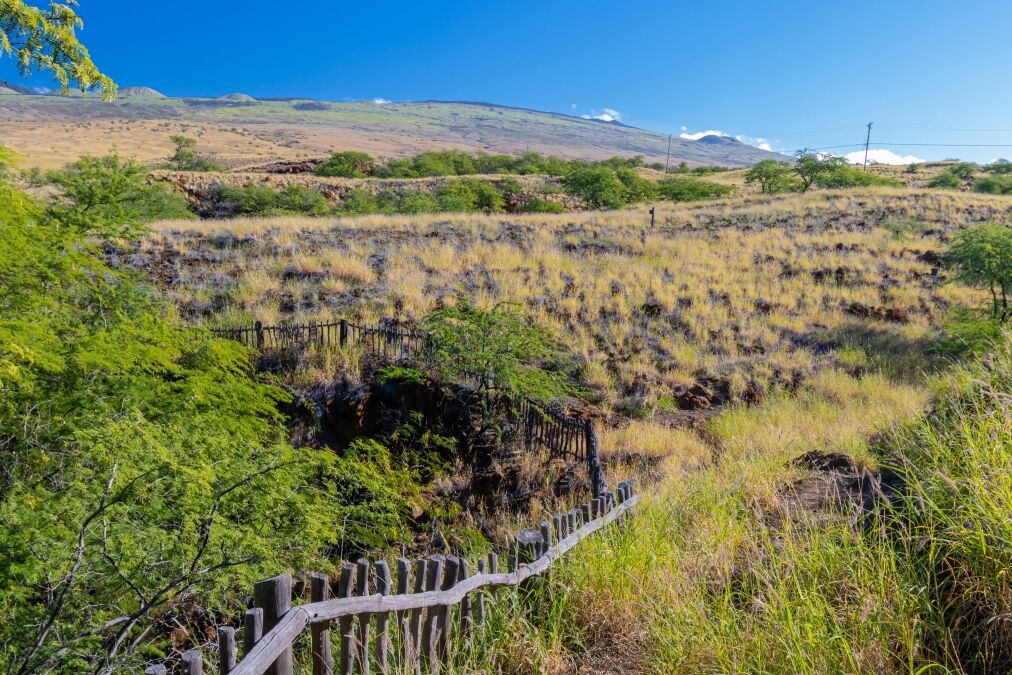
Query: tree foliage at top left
(46, 39)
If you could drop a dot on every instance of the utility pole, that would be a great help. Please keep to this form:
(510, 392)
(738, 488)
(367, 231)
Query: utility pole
(867, 142)
(668, 158)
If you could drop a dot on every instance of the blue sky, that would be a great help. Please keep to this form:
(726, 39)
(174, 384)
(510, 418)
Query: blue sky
(791, 74)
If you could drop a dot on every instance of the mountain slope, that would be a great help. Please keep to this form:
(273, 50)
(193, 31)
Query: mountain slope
(53, 130)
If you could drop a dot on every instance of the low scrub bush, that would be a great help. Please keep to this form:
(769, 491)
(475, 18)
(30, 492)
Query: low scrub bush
(252, 200)
(689, 189)
(999, 184)
(347, 165)
(186, 159)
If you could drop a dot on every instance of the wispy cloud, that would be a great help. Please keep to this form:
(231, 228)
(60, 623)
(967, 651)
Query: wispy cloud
(604, 114)
(379, 100)
(882, 156)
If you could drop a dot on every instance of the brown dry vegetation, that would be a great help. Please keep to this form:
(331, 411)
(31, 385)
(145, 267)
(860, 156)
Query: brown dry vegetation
(716, 303)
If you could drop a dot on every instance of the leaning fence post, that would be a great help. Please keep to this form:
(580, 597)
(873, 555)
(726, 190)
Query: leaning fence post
(275, 597)
(344, 332)
(323, 657)
(226, 649)
(259, 328)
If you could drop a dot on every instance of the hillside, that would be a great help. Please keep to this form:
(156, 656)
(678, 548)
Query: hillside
(51, 130)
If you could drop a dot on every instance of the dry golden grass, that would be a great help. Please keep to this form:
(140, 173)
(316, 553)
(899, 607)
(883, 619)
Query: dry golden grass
(742, 295)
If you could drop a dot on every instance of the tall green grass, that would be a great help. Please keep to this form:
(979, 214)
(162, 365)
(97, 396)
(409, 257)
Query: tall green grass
(717, 573)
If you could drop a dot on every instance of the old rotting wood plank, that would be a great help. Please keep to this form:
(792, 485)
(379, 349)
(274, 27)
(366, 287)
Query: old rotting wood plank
(433, 575)
(346, 624)
(384, 586)
(362, 590)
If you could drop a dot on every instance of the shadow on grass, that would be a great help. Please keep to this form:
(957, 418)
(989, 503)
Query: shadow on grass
(873, 346)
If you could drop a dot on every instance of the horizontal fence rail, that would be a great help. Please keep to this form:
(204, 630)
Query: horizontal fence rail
(539, 428)
(417, 625)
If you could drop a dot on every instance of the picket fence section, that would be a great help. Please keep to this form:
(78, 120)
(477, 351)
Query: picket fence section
(538, 428)
(417, 624)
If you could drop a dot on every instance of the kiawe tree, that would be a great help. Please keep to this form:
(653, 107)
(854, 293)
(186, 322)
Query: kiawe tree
(45, 39)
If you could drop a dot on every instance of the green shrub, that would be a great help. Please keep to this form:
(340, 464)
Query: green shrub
(110, 197)
(690, 189)
(1000, 167)
(845, 176)
(597, 187)
(963, 170)
(1000, 184)
(637, 188)
(347, 164)
(946, 180)
(253, 200)
(537, 205)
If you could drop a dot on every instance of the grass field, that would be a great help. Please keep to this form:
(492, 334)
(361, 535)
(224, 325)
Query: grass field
(761, 360)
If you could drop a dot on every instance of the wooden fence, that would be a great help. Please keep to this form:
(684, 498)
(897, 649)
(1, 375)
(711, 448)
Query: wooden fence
(417, 624)
(538, 428)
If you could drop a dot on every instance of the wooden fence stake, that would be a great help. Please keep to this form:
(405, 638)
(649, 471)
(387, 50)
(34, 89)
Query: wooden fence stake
(274, 596)
(346, 623)
(421, 575)
(323, 657)
(362, 590)
(479, 598)
(192, 663)
(433, 573)
(445, 612)
(466, 620)
(253, 628)
(226, 649)
(384, 586)
(403, 624)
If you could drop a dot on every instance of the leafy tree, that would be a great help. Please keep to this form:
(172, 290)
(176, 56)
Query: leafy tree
(810, 166)
(347, 164)
(1000, 166)
(773, 177)
(598, 187)
(963, 170)
(520, 357)
(690, 189)
(110, 197)
(45, 39)
(186, 159)
(982, 257)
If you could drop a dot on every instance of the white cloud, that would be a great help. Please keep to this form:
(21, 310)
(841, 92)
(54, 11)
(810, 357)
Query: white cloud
(882, 156)
(379, 100)
(696, 135)
(605, 115)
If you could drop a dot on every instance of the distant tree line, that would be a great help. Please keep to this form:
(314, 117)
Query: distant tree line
(964, 174)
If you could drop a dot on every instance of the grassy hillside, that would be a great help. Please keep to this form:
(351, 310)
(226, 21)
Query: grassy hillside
(52, 130)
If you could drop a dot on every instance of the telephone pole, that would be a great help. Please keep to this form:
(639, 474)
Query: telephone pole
(668, 158)
(867, 142)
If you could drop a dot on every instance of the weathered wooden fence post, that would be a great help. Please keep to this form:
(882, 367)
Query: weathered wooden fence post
(274, 596)
(384, 586)
(323, 657)
(362, 590)
(344, 332)
(157, 669)
(192, 663)
(226, 649)
(346, 624)
(433, 575)
(253, 629)
(259, 328)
